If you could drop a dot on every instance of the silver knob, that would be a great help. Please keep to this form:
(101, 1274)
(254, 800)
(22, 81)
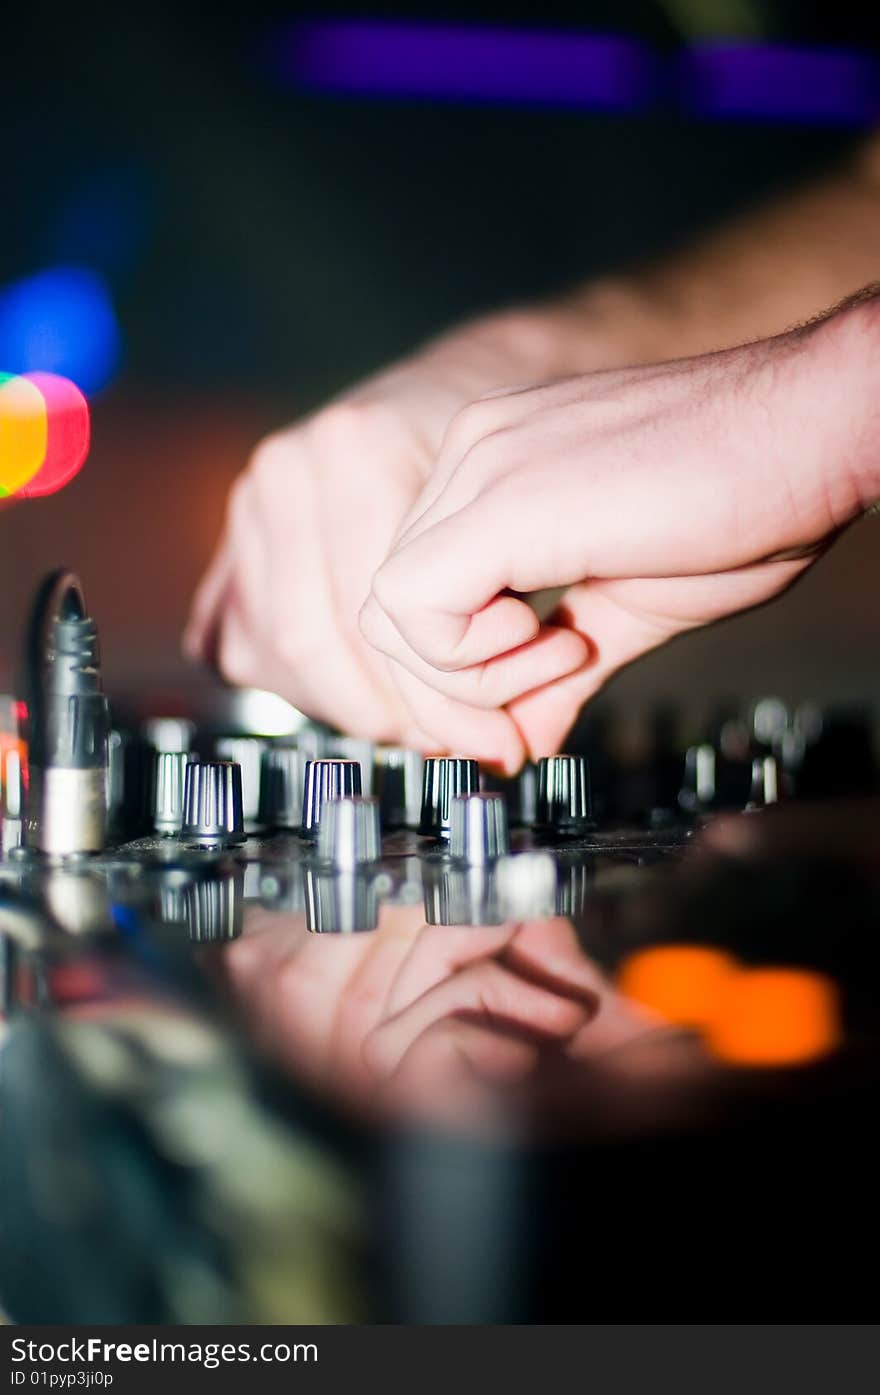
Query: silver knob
(169, 733)
(444, 777)
(326, 779)
(281, 787)
(246, 751)
(399, 775)
(478, 828)
(169, 781)
(563, 801)
(212, 803)
(349, 834)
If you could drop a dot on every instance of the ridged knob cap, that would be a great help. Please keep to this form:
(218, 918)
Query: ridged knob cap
(246, 751)
(169, 780)
(281, 787)
(212, 802)
(444, 777)
(478, 828)
(349, 834)
(399, 775)
(326, 779)
(563, 802)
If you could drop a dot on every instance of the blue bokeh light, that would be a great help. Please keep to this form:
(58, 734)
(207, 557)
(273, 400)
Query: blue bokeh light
(60, 320)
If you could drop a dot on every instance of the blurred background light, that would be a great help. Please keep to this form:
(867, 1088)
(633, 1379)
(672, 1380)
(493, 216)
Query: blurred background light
(67, 437)
(23, 432)
(471, 62)
(568, 68)
(775, 1017)
(60, 320)
(681, 983)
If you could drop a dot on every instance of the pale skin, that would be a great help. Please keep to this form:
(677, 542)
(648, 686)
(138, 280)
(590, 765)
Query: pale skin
(595, 445)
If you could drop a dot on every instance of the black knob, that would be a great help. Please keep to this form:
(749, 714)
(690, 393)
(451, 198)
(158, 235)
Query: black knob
(281, 787)
(563, 801)
(326, 779)
(444, 777)
(212, 812)
(399, 775)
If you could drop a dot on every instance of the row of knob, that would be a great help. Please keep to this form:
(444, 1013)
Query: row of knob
(323, 799)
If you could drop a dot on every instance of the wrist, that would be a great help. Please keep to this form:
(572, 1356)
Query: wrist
(845, 352)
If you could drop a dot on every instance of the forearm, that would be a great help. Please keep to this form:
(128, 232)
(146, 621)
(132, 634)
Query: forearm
(766, 272)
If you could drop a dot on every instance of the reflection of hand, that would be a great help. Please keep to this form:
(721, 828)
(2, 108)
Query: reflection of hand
(310, 1000)
(659, 498)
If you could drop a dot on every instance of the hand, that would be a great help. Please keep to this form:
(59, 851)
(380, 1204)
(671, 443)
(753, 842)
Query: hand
(659, 498)
(315, 513)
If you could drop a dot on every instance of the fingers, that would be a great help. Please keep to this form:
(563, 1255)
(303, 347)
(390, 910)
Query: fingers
(487, 736)
(198, 639)
(485, 991)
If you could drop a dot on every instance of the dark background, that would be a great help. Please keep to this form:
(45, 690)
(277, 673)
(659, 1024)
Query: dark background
(264, 247)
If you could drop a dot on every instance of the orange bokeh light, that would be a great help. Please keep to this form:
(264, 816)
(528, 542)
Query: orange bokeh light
(681, 983)
(775, 1017)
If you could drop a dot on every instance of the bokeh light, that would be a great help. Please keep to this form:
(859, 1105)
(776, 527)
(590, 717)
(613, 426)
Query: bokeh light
(775, 1017)
(23, 432)
(771, 1016)
(44, 433)
(681, 983)
(62, 321)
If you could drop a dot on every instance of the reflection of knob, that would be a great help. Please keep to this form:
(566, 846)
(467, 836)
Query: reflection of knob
(444, 777)
(340, 903)
(246, 751)
(563, 803)
(212, 803)
(281, 787)
(478, 827)
(349, 834)
(168, 733)
(213, 907)
(326, 779)
(458, 895)
(168, 787)
(399, 776)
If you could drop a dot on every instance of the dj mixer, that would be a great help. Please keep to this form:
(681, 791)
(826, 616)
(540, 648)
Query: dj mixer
(184, 909)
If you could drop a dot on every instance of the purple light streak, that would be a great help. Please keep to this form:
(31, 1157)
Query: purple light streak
(559, 68)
